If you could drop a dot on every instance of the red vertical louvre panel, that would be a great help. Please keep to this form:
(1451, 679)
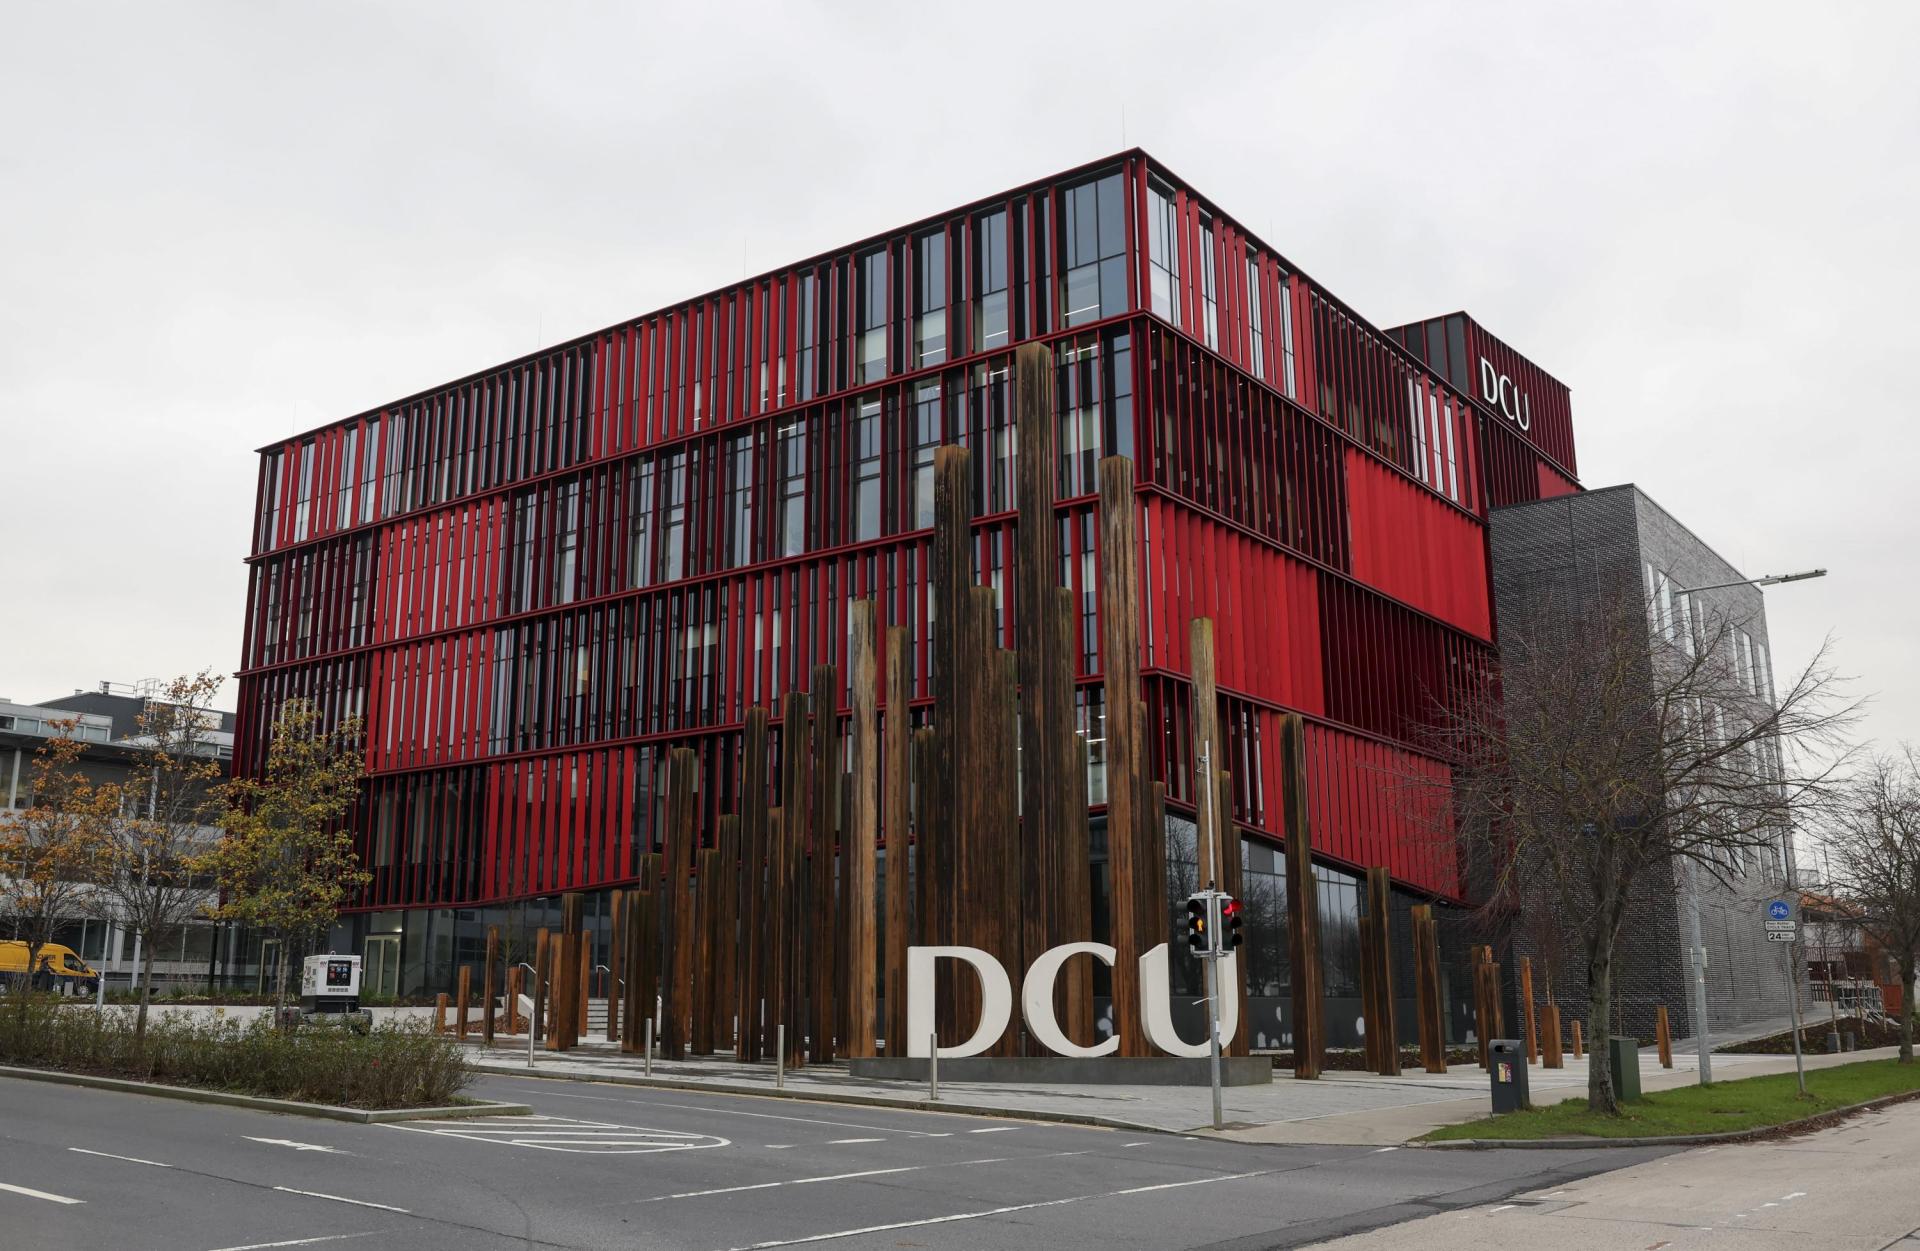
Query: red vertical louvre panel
(1411, 545)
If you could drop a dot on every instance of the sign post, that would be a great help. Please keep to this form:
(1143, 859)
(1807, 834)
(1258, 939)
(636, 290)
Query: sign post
(1782, 928)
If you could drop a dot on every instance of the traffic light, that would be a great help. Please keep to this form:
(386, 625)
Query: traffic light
(1230, 916)
(1197, 938)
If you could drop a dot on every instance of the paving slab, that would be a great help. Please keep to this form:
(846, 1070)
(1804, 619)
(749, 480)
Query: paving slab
(1338, 1108)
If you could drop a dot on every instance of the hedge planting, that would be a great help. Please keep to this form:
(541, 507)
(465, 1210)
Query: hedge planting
(396, 1065)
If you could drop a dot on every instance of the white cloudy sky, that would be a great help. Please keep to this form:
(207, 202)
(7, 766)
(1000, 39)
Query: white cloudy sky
(224, 223)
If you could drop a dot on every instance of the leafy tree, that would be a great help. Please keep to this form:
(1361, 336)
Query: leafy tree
(173, 802)
(1873, 853)
(54, 853)
(1608, 758)
(287, 865)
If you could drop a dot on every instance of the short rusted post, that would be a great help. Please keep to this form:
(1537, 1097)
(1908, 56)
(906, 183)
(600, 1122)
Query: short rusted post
(440, 1013)
(1526, 999)
(542, 975)
(513, 999)
(1663, 1035)
(466, 994)
(586, 982)
(489, 986)
(1550, 1055)
(1578, 1051)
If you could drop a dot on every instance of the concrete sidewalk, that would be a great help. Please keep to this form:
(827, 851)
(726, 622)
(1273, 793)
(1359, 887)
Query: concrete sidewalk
(1339, 1108)
(1838, 1190)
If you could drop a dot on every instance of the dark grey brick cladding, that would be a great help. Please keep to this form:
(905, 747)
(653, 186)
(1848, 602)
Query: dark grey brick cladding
(1556, 556)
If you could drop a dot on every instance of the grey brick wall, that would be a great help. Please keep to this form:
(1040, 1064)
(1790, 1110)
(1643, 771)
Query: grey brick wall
(1554, 557)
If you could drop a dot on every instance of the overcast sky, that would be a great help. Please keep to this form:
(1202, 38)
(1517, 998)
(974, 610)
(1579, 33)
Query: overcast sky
(221, 224)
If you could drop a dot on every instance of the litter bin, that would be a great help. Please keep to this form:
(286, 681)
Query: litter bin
(1623, 1057)
(1507, 1073)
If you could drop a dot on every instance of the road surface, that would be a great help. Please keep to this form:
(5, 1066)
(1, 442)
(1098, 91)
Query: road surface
(609, 1166)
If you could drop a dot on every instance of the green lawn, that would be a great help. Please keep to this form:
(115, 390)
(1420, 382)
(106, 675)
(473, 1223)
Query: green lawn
(1748, 1103)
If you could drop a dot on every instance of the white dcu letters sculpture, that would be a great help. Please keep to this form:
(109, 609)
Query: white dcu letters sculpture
(1036, 1002)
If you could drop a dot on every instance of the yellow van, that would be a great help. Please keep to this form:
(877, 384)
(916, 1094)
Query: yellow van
(57, 966)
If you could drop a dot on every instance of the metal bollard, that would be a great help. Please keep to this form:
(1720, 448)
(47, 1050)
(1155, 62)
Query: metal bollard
(933, 1067)
(779, 1057)
(648, 1062)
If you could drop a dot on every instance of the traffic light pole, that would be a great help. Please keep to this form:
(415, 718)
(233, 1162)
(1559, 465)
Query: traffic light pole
(1213, 952)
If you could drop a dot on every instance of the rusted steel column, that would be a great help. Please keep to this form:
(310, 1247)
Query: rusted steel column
(1303, 905)
(896, 789)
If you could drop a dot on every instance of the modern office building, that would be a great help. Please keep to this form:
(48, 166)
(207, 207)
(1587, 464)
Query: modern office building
(106, 721)
(1576, 555)
(534, 580)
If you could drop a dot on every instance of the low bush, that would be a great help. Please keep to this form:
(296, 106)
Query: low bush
(396, 1065)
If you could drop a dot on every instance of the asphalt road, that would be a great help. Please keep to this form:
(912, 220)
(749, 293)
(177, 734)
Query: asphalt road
(609, 1166)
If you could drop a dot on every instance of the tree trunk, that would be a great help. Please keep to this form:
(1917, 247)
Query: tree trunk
(1600, 1093)
(279, 980)
(146, 993)
(1906, 1011)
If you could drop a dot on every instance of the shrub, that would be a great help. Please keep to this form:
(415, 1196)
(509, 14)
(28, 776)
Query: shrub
(396, 1065)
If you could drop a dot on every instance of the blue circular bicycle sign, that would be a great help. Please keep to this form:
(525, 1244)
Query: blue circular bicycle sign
(1778, 910)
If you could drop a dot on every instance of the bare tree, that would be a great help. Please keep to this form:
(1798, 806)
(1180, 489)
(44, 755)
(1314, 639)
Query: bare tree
(1872, 840)
(171, 803)
(54, 853)
(1606, 755)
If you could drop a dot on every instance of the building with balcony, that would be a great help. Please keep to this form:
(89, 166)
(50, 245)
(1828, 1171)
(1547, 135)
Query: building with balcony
(532, 581)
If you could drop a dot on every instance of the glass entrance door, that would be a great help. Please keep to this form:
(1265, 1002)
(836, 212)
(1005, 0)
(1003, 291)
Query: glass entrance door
(380, 976)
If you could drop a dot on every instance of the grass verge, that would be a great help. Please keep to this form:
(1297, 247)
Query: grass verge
(1724, 1107)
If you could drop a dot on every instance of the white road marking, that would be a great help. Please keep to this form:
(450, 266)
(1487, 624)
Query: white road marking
(765, 1116)
(1798, 1194)
(987, 1212)
(1001, 1129)
(842, 1142)
(1376, 1150)
(1502, 1208)
(809, 1181)
(576, 1137)
(131, 1159)
(779, 1146)
(1133, 1144)
(297, 1146)
(301, 1242)
(38, 1194)
(359, 1203)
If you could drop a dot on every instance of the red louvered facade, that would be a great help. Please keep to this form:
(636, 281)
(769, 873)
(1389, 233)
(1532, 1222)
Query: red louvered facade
(533, 581)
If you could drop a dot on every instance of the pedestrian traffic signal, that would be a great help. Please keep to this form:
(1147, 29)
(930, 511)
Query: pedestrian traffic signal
(1197, 937)
(1230, 914)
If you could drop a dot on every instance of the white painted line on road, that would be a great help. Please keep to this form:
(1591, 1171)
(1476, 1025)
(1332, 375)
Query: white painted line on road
(1001, 1129)
(301, 1242)
(131, 1159)
(359, 1203)
(987, 1212)
(1133, 1144)
(774, 1185)
(576, 1137)
(1798, 1194)
(1376, 1150)
(31, 1193)
(297, 1146)
(780, 1146)
(765, 1116)
(1502, 1208)
(872, 1172)
(843, 1142)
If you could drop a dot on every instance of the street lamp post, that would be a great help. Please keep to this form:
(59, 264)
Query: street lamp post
(1697, 948)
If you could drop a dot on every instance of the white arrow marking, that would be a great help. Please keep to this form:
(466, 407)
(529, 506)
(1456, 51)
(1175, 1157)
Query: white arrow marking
(297, 1146)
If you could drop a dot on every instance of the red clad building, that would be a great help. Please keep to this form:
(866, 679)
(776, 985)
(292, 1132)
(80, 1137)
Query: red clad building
(532, 581)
